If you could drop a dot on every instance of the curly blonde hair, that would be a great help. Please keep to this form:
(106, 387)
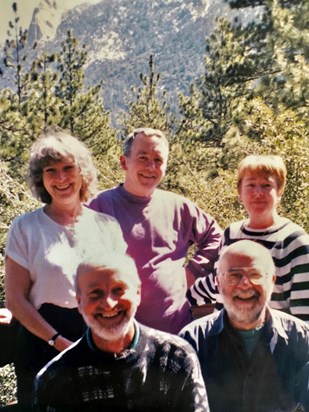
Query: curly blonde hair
(53, 146)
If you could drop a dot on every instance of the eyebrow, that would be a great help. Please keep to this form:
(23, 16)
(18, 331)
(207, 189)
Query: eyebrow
(255, 177)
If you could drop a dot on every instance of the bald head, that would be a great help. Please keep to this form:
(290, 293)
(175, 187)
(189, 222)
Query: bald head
(248, 250)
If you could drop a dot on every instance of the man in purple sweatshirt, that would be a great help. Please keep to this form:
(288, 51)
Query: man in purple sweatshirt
(159, 227)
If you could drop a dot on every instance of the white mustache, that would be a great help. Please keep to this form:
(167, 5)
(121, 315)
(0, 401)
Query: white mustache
(246, 294)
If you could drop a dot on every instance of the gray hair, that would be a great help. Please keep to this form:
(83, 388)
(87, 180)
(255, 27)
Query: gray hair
(53, 146)
(147, 131)
(113, 262)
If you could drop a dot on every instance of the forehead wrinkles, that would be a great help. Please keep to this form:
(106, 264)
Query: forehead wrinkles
(150, 142)
(96, 278)
(152, 153)
(232, 260)
(106, 283)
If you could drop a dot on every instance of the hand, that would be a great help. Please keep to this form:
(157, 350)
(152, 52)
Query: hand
(5, 316)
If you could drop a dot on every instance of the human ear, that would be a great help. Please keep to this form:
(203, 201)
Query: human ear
(78, 298)
(139, 292)
(123, 162)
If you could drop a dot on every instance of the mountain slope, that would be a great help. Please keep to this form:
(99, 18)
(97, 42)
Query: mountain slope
(120, 35)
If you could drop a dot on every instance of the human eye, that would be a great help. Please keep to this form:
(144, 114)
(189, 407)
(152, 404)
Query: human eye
(255, 277)
(69, 168)
(142, 158)
(158, 160)
(232, 277)
(119, 290)
(49, 170)
(94, 294)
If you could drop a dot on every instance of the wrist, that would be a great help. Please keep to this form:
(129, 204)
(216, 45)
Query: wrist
(52, 340)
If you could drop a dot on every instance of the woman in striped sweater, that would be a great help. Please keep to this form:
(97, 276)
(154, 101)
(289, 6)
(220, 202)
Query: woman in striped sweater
(261, 183)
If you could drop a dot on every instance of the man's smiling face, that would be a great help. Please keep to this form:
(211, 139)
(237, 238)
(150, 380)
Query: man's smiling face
(108, 301)
(145, 165)
(245, 302)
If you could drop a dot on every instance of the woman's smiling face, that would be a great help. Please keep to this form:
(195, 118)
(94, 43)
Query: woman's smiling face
(63, 181)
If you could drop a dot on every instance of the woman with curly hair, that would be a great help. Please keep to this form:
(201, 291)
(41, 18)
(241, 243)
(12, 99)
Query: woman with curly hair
(43, 251)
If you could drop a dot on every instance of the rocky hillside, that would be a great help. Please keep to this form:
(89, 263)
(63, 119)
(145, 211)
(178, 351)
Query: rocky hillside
(120, 35)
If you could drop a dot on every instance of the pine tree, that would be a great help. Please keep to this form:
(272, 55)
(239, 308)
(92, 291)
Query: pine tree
(149, 108)
(14, 68)
(15, 131)
(291, 30)
(15, 135)
(282, 35)
(42, 102)
(235, 60)
(72, 59)
(81, 108)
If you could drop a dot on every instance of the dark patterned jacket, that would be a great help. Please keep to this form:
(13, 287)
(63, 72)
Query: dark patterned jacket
(160, 372)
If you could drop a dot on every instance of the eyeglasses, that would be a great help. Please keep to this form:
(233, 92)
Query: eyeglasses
(233, 277)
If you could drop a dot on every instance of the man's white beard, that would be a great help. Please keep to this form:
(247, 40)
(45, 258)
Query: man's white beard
(113, 333)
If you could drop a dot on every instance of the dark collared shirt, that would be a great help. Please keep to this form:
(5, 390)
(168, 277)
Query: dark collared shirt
(273, 378)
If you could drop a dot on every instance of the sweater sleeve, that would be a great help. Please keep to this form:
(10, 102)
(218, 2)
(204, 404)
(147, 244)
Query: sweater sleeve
(193, 397)
(206, 236)
(54, 392)
(299, 272)
(204, 289)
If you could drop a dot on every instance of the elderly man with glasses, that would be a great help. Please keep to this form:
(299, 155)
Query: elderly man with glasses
(253, 358)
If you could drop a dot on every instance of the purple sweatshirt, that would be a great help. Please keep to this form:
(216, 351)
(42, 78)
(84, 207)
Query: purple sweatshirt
(159, 231)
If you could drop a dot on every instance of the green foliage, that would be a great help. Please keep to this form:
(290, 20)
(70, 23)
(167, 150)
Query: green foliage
(15, 56)
(15, 135)
(7, 385)
(43, 105)
(70, 67)
(82, 110)
(148, 109)
(14, 200)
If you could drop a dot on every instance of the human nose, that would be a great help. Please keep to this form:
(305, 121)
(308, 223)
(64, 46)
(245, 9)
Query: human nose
(258, 191)
(109, 302)
(244, 281)
(60, 175)
(151, 164)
